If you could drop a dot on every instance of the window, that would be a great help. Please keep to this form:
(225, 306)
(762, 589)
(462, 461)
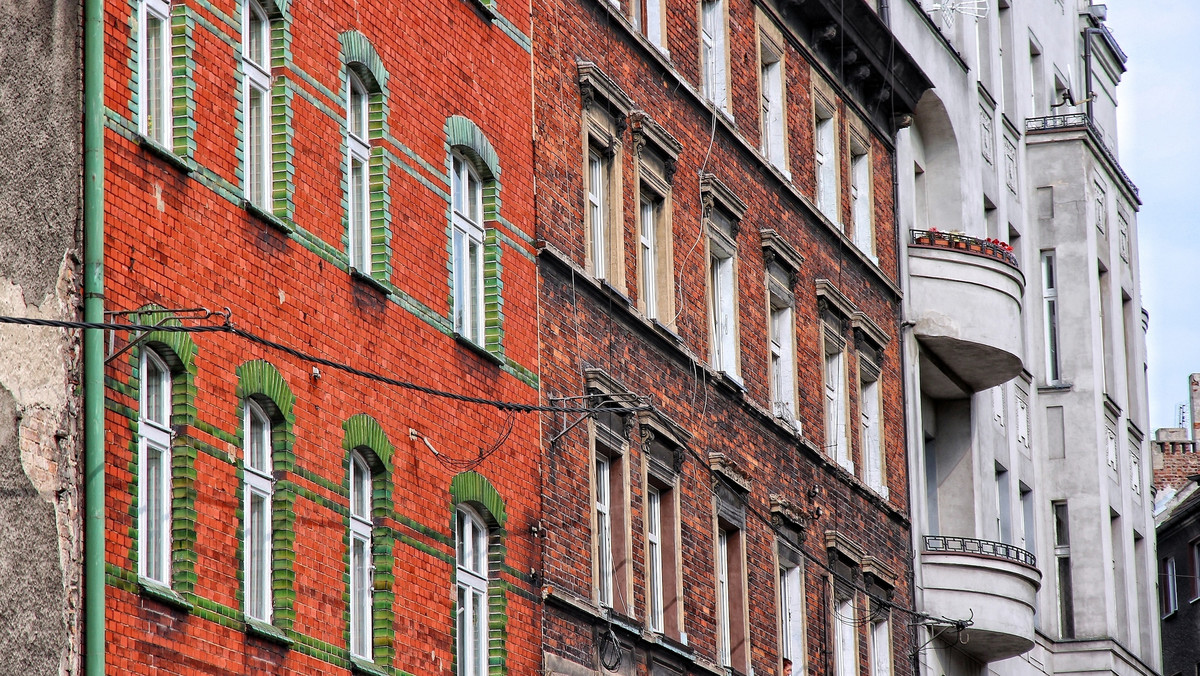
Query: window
(1050, 306)
(732, 638)
(1194, 549)
(722, 290)
(1028, 534)
(845, 628)
(597, 215)
(783, 358)
(654, 559)
(259, 486)
(712, 53)
(467, 199)
(1062, 555)
(648, 19)
(723, 597)
(1110, 448)
(826, 160)
(358, 162)
(154, 71)
(256, 68)
(870, 432)
(1169, 601)
(881, 648)
(860, 198)
(791, 607)
(362, 572)
(472, 577)
(648, 254)
(604, 543)
(836, 443)
(154, 471)
(1037, 81)
(1003, 505)
(771, 94)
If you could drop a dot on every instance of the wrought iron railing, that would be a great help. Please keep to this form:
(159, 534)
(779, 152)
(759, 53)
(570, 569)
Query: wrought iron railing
(951, 543)
(1080, 120)
(992, 248)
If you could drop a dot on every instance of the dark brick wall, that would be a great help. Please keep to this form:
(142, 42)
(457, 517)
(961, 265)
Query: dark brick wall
(584, 327)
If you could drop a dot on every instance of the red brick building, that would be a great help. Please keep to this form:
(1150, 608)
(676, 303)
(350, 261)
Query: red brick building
(353, 181)
(716, 236)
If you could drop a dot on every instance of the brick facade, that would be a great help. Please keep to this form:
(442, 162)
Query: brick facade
(177, 237)
(596, 329)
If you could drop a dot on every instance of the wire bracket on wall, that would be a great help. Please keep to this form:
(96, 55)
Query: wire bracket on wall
(198, 314)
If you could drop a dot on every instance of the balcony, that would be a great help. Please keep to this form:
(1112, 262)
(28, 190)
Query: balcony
(992, 583)
(1081, 122)
(965, 300)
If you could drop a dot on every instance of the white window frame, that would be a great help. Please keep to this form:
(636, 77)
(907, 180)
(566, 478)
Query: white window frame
(362, 577)
(154, 461)
(870, 412)
(1051, 342)
(724, 651)
(836, 439)
(722, 289)
(471, 579)
(358, 153)
(604, 542)
(792, 609)
(881, 647)
(256, 69)
(654, 559)
(771, 93)
(158, 131)
(260, 484)
(845, 628)
(1194, 549)
(649, 20)
(714, 70)
(825, 156)
(467, 206)
(649, 216)
(860, 202)
(783, 361)
(597, 211)
(1170, 588)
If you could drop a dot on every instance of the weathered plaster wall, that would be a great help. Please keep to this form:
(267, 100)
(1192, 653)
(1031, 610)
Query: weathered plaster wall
(40, 152)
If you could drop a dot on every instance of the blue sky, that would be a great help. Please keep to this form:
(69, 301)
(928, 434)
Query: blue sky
(1159, 135)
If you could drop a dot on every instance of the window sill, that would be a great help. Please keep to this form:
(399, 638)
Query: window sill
(1056, 386)
(369, 281)
(487, 7)
(268, 632)
(267, 217)
(730, 382)
(360, 666)
(665, 330)
(479, 349)
(614, 292)
(165, 595)
(164, 153)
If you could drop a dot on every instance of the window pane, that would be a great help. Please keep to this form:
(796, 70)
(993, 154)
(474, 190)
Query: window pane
(649, 272)
(359, 242)
(156, 78)
(461, 313)
(456, 187)
(256, 147)
(464, 628)
(360, 596)
(156, 382)
(479, 545)
(360, 489)
(258, 35)
(475, 196)
(358, 109)
(257, 546)
(475, 289)
(153, 523)
(479, 623)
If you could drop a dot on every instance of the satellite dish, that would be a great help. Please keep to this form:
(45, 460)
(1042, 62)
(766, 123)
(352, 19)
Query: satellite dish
(948, 8)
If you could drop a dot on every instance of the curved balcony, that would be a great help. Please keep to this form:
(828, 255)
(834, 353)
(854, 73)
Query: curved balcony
(992, 583)
(965, 299)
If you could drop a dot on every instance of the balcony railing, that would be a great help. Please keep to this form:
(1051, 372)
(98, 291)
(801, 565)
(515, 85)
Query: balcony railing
(1080, 121)
(952, 240)
(954, 544)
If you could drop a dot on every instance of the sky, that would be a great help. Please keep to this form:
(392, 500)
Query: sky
(1158, 106)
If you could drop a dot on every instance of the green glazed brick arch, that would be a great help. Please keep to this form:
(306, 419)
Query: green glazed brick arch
(474, 487)
(461, 132)
(357, 49)
(180, 343)
(260, 378)
(363, 431)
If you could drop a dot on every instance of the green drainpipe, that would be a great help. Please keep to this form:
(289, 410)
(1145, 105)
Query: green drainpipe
(93, 339)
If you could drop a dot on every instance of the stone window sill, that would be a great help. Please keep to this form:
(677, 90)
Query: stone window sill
(268, 632)
(164, 153)
(267, 217)
(163, 594)
(369, 281)
(478, 349)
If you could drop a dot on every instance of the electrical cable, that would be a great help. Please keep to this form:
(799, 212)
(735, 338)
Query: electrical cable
(229, 328)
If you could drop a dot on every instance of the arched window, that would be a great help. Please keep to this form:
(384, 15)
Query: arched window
(472, 606)
(260, 488)
(256, 68)
(154, 469)
(358, 171)
(467, 200)
(361, 569)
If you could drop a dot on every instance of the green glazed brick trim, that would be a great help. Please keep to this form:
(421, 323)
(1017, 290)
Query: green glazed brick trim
(260, 380)
(357, 49)
(183, 82)
(475, 488)
(493, 298)
(283, 556)
(234, 24)
(461, 132)
(362, 431)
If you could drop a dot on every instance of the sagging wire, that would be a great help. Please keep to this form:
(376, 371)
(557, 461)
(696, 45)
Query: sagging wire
(230, 328)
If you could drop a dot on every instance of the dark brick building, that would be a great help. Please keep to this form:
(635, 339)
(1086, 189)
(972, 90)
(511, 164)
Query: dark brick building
(348, 180)
(718, 264)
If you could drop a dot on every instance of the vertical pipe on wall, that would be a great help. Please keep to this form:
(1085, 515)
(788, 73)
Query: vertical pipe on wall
(93, 339)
